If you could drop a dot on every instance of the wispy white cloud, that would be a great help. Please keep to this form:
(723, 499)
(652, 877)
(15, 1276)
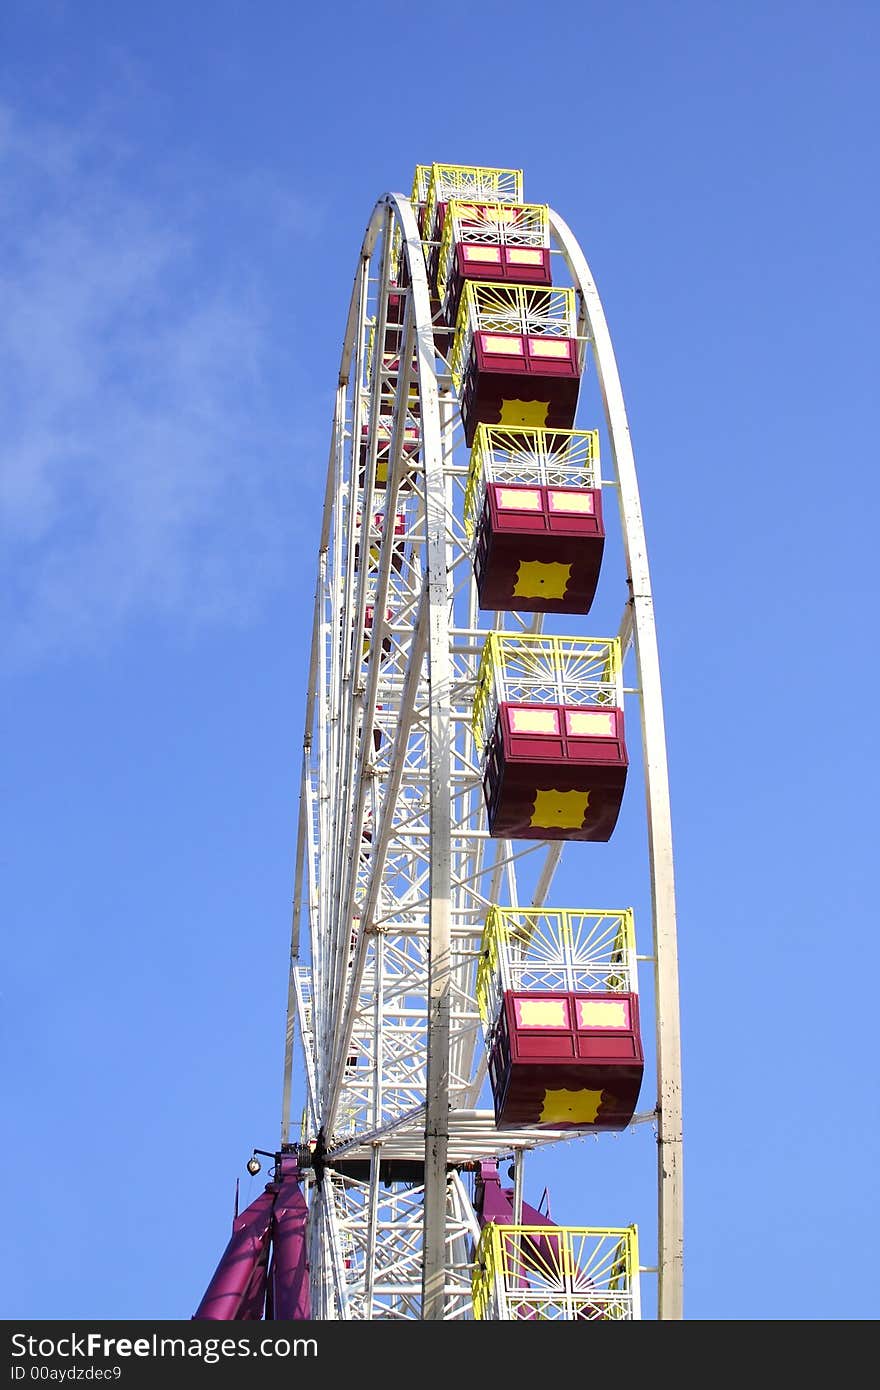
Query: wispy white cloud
(140, 468)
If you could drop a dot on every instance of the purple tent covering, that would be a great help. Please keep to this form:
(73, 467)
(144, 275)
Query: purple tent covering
(244, 1284)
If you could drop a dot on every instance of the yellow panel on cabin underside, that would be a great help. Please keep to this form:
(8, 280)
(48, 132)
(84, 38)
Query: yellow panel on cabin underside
(562, 810)
(541, 579)
(570, 1107)
(530, 414)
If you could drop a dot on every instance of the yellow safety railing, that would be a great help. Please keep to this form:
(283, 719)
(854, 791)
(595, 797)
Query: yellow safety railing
(495, 932)
(560, 948)
(421, 179)
(418, 194)
(491, 224)
(508, 454)
(492, 306)
(531, 668)
(371, 343)
(471, 181)
(528, 1271)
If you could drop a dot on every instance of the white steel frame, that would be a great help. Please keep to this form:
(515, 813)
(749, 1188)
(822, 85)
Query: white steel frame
(395, 868)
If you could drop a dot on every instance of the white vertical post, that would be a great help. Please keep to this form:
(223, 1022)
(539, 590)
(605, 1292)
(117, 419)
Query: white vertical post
(440, 876)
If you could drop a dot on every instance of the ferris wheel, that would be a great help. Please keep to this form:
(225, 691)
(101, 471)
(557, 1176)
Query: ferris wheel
(449, 1014)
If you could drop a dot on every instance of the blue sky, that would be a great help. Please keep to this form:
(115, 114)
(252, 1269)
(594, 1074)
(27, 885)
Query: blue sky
(184, 198)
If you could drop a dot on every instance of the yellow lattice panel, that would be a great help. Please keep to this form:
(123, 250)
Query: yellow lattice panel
(571, 948)
(469, 181)
(532, 668)
(556, 1273)
(561, 458)
(524, 225)
(491, 306)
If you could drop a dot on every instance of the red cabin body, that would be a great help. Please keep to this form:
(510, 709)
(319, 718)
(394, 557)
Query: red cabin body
(514, 265)
(369, 613)
(519, 379)
(433, 235)
(566, 1060)
(539, 548)
(555, 772)
(378, 525)
(391, 365)
(411, 446)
